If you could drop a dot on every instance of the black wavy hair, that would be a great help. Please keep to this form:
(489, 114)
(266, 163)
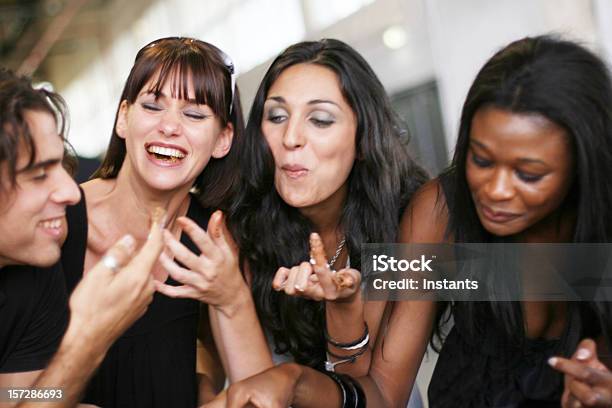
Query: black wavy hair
(273, 234)
(570, 86)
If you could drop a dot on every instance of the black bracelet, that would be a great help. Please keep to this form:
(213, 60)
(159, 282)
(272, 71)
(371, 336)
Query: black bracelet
(352, 393)
(340, 384)
(355, 344)
(360, 398)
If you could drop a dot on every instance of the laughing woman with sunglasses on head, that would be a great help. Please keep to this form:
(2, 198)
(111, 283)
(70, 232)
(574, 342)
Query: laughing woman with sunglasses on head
(178, 115)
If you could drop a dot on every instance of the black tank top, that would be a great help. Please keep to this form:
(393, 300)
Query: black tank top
(153, 364)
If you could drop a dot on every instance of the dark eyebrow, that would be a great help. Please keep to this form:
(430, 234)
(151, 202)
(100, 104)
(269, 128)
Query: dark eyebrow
(477, 143)
(526, 160)
(522, 160)
(163, 95)
(317, 101)
(38, 165)
(280, 99)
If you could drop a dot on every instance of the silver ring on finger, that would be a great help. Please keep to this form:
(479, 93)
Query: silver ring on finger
(110, 262)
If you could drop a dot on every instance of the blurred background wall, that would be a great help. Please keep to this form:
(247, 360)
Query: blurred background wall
(426, 52)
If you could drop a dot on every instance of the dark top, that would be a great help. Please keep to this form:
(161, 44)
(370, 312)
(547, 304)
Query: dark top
(33, 316)
(153, 364)
(489, 369)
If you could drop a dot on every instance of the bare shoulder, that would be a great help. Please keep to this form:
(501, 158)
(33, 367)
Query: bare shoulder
(426, 217)
(102, 229)
(97, 189)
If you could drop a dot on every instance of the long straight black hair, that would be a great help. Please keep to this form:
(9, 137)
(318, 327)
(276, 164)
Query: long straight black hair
(273, 234)
(568, 85)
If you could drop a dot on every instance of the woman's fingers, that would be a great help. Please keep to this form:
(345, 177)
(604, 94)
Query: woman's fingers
(280, 279)
(199, 237)
(347, 278)
(220, 234)
(580, 371)
(304, 270)
(291, 281)
(180, 252)
(179, 274)
(585, 394)
(175, 291)
(118, 255)
(317, 251)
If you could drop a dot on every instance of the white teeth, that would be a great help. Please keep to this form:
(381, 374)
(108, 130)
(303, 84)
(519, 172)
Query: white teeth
(52, 224)
(166, 151)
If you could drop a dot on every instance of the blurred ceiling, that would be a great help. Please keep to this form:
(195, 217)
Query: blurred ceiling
(34, 31)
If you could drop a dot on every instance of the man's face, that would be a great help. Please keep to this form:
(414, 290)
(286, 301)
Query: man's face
(32, 213)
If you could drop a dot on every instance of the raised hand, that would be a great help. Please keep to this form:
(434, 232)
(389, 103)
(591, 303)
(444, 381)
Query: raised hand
(315, 279)
(588, 382)
(213, 276)
(115, 292)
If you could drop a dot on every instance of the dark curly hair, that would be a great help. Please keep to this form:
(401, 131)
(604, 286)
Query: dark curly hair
(273, 234)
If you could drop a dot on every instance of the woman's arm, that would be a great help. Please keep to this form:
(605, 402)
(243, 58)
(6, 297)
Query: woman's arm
(214, 278)
(398, 351)
(211, 377)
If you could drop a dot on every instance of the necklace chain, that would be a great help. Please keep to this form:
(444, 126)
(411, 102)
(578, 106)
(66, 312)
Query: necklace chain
(337, 254)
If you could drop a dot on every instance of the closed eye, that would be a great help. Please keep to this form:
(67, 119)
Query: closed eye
(480, 161)
(320, 123)
(195, 115)
(276, 118)
(529, 177)
(150, 106)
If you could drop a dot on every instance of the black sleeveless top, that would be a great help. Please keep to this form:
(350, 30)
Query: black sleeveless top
(488, 369)
(153, 364)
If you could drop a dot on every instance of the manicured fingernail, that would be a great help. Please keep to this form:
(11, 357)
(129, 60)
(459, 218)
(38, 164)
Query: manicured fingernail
(312, 261)
(127, 241)
(553, 361)
(583, 354)
(299, 288)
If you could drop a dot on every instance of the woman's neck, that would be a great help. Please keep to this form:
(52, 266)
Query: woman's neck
(132, 202)
(326, 217)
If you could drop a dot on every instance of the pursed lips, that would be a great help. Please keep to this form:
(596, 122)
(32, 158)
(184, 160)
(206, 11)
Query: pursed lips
(294, 171)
